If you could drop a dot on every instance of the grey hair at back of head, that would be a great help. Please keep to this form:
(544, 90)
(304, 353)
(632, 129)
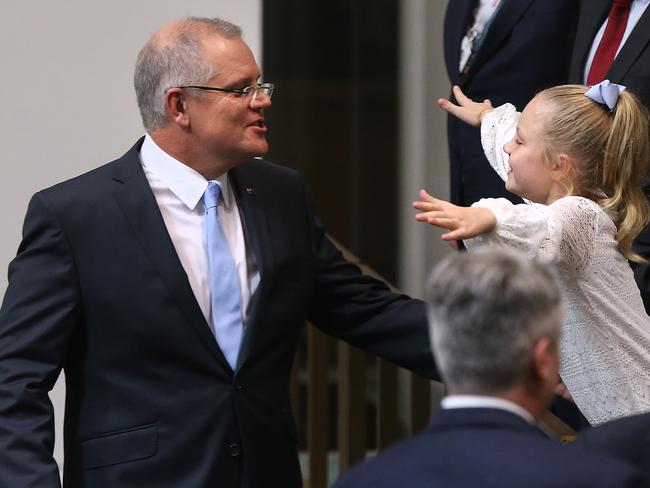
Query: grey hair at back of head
(487, 309)
(175, 61)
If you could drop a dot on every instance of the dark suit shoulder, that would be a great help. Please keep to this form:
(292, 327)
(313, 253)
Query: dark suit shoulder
(77, 183)
(261, 168)
(476, 454)
(95, 183)
(272, 183)
(627, 438)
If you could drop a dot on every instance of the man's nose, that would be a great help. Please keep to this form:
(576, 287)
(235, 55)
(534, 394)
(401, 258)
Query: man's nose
(262, 101)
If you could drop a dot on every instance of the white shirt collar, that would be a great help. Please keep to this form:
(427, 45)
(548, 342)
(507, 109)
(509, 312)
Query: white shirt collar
(187, 184)
(479, 401)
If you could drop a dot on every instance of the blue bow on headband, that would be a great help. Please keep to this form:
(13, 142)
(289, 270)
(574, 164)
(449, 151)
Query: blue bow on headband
(605, 93)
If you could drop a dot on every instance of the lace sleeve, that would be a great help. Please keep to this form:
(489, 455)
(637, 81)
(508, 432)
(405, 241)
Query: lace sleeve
(521, 227)
(576, 222)
(497, 128)
(562, 232)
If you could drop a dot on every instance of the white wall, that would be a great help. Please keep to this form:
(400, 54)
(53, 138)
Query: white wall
(66, 99)
(424, 160)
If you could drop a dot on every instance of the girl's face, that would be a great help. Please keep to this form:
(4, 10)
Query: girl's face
(530, 174)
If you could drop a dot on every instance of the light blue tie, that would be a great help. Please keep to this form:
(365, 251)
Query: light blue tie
(224, 286)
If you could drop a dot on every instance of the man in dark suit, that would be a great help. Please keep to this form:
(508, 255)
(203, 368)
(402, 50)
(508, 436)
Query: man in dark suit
(630, 67)
(495, 322)
(514, 50)
(627, 438)
(124, 279)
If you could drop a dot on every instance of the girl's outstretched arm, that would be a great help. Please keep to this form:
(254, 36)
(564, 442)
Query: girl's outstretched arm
(467, 110)
(462, 222)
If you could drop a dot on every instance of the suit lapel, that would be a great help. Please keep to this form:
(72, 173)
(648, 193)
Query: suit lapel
(250, 196)
(507, 16)
(134, 196)
(592, 16)
(632, 48)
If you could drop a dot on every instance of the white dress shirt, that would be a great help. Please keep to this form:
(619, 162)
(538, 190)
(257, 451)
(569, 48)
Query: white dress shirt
(636, 11)
(178, 190)
(479, 401)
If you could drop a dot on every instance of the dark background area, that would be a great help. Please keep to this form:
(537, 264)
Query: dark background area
(334, 115)
(334, 119)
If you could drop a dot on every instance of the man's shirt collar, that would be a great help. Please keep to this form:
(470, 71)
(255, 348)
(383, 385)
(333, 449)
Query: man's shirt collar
(479, 401)
(187, 184)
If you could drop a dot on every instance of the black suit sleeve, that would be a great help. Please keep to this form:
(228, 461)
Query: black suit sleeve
(627, 439)
(36, 319)
(363, 311)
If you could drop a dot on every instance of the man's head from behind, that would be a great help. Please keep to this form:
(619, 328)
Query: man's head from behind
(495, 319)
(194, 81)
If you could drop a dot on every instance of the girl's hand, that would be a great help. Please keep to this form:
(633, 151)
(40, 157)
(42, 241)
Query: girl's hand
(561, 390)
(467, 110)
(462, 222)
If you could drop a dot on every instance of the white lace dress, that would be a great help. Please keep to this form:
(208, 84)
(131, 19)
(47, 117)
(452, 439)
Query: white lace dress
(605, 346)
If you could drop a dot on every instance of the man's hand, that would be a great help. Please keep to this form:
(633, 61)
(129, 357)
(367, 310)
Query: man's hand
(467, 110)
(462, 222)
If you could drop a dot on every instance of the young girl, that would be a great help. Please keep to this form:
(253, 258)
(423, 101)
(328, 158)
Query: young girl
(578, 157)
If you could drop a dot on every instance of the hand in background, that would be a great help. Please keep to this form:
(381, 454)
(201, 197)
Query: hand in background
(467, 110)
(462, 222)
(561, 390)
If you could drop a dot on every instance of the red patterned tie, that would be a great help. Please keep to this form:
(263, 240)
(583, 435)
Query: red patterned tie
(616, 22)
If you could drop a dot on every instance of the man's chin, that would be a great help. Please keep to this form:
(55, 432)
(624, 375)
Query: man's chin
(260, 151)
(250, 152)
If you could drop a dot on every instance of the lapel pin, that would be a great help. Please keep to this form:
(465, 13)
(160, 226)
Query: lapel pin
(250, 190)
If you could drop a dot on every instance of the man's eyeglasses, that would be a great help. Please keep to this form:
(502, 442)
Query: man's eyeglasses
(265, 89)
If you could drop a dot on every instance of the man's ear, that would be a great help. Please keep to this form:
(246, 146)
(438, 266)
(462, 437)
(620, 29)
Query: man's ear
(545, 360)
(561, 167)
(176, 107)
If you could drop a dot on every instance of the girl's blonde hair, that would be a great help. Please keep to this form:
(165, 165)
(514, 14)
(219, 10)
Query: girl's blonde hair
(610, 151)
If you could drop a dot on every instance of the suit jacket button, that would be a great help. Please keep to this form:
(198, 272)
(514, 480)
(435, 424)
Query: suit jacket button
(234, 450)
(239, 386)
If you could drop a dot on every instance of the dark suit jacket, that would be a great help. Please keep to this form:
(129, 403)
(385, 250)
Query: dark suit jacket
(627, 439)
(630, 68)
(526, 49)
(632, 65)
(98, 290)
(472, 448)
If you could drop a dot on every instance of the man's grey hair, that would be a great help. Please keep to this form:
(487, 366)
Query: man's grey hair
(175, 61)
(487, 309)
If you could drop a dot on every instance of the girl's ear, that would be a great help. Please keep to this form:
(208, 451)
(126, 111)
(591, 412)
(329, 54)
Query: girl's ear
(562, 167)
